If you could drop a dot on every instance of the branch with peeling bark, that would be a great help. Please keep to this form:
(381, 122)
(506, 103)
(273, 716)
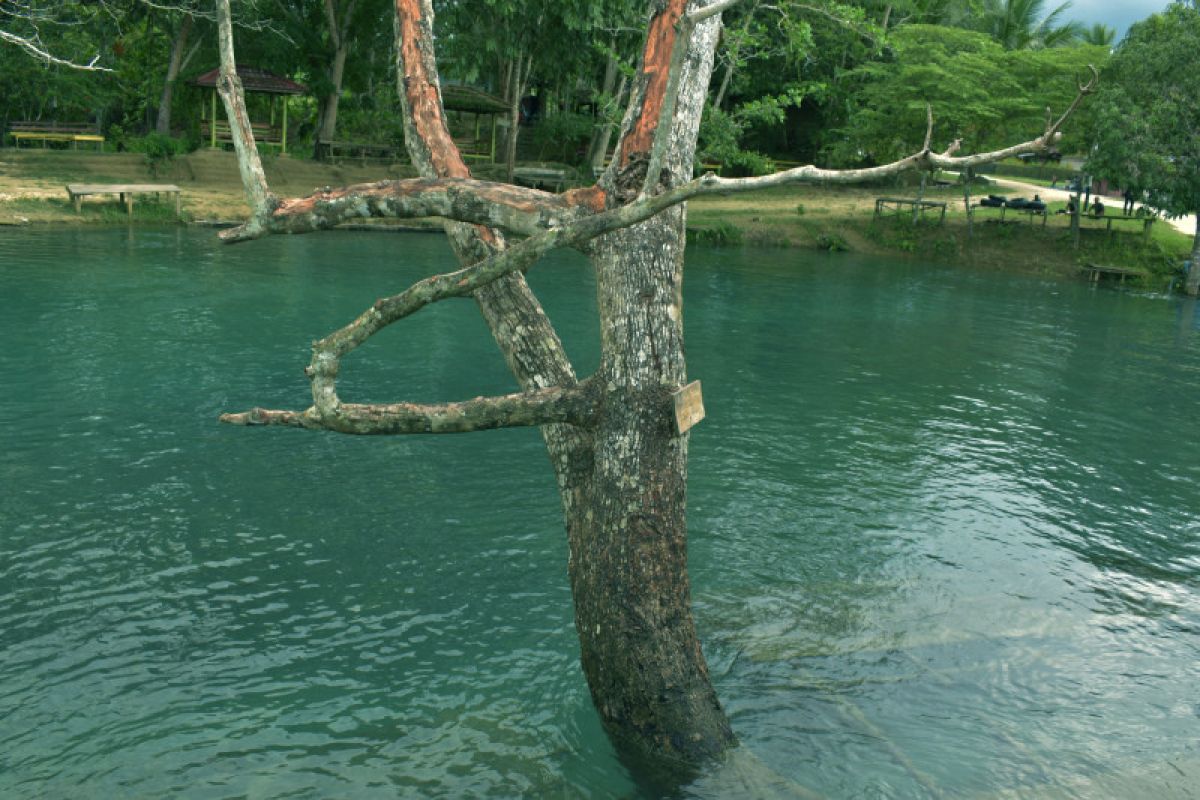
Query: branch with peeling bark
(516, 209)
(574, 405)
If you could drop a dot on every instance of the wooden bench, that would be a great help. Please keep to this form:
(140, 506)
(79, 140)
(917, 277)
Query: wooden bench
(882, 204)
(1005, 209)
(263, 133)
(360, 150)
(46, 132)
(78, 191)
(475, 149)
(1146, 221)
(540, 177)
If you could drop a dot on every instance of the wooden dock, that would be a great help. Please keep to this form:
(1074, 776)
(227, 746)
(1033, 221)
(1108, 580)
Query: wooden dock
(78, 191)
(1095, 271)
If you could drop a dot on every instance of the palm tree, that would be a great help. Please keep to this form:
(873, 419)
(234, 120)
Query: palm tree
(1024, 25)
(1099, 34)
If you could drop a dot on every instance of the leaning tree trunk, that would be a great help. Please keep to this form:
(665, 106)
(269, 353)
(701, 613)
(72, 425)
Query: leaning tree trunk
(598, 144)
(163, 125)
(1193, 277)
(639, 647)
(520, 77)
(329, 104)
(339, 32)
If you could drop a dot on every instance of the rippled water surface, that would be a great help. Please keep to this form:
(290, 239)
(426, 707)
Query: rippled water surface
(944, 532)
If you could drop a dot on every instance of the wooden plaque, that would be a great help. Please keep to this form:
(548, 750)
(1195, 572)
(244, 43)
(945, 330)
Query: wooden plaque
(689, 407)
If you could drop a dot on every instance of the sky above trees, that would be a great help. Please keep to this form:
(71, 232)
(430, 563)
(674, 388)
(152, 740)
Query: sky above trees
(1118, 14)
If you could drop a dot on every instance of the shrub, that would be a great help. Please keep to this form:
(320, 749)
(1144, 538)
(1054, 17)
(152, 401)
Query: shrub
(723, 234)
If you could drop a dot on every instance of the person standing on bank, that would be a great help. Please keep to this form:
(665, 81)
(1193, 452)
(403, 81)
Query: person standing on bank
(1127, 208)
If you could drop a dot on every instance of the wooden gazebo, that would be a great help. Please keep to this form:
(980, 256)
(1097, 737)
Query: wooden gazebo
(480, 104)
(216, 129)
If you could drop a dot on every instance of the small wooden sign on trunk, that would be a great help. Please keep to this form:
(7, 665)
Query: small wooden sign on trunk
(689, 407)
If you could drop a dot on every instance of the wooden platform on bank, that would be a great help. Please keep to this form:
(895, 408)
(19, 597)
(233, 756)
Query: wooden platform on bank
(1095, 271)
(78, 191)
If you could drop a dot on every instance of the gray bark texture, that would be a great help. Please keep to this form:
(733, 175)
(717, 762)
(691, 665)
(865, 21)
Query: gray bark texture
(628, 567)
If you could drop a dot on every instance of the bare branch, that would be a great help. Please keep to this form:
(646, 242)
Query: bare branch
(36, 49)
(928, 128)
(701, 14)
(575, 405)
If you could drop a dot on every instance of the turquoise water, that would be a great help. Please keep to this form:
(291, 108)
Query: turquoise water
(944, 532)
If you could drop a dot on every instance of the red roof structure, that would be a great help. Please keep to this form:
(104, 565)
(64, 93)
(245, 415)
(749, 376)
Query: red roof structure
(255, 80)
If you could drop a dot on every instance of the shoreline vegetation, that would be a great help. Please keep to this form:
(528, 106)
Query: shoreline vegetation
(831, 219)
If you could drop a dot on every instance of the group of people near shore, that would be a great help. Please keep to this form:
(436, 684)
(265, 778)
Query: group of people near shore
(1096, 209)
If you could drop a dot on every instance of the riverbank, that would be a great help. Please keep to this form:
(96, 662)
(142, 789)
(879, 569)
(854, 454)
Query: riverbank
(32, 192)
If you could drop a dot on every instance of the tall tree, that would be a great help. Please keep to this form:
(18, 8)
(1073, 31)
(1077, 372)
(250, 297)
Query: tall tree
(618, 440)
(183, 49)
(339, 16)
(1146, 120)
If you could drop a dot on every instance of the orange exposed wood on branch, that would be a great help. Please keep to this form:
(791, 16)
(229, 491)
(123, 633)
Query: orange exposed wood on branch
(656, 66)
(593, 198)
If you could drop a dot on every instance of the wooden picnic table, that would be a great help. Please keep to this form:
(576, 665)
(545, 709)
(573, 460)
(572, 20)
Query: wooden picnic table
(912, 204)
(78, 191)
(1032, 212)
(359, 150)
(1147, 221)
(46, 132)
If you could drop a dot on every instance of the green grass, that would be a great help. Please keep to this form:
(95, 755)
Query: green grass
(94, 210)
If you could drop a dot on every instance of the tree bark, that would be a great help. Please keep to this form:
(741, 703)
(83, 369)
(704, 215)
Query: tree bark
(163, 124)
(628, 568)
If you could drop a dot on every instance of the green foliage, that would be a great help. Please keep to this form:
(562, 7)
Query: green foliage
(978, 92)
(723, 234)
(833, 242)
(720, 141)
(563, 137)
(1147, 111)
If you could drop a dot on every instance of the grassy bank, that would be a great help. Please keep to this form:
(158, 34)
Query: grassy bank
(839, 218)
(32, 191)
